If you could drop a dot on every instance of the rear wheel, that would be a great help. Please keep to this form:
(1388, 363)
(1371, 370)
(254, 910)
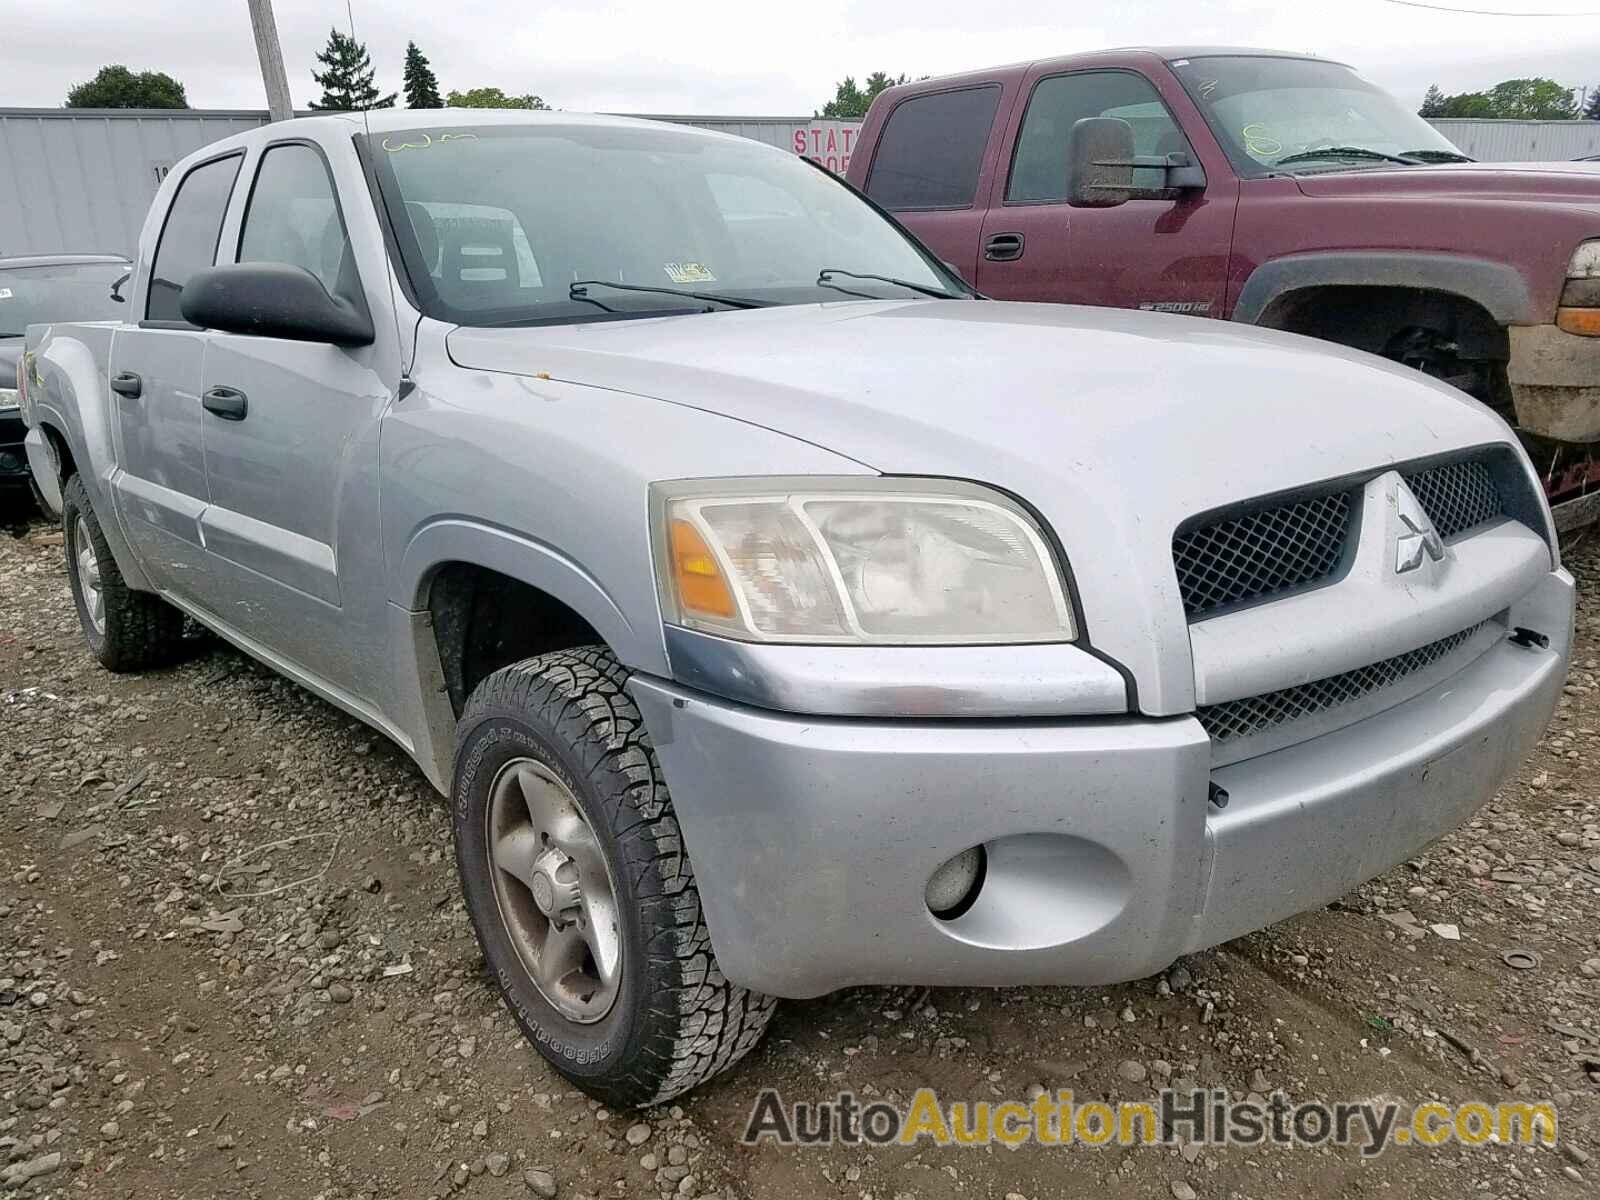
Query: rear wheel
(126, 630)
(579, 887)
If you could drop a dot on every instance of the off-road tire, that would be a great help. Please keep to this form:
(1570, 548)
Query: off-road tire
(676, 1020)
(141, 629)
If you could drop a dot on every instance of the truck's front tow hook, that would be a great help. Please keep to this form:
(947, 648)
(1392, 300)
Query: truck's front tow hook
(1532, 639)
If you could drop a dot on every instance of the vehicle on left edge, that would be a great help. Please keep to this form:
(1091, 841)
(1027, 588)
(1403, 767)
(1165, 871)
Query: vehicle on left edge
(37, 291)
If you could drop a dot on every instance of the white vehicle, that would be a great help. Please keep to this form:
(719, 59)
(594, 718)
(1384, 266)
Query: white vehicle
(1023, 644)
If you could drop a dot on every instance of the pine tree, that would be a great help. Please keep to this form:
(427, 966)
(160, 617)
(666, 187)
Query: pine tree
(1591, 110)
(346, 80)
(422, 86)
(1434, 103)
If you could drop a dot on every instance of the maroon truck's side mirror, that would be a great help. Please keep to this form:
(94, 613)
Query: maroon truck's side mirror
(1101, 162)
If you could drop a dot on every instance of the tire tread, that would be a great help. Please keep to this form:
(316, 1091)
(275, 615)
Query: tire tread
(699, 1023)
(142, 629)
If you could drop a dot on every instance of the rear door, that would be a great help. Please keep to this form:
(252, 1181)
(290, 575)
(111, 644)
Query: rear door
(291, 433)
(928, 168)
(1169, 255)
(156, 366)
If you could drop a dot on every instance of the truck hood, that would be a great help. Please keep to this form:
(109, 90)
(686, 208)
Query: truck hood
(1557, 182)
(1114, 425)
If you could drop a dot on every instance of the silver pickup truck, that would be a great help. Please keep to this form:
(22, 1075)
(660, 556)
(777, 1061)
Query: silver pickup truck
(669, 504)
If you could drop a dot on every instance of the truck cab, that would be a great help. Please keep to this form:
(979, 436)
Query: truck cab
(1266, 188)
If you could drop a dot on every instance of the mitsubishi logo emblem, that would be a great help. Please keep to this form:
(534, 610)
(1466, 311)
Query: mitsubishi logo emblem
(1418, 540)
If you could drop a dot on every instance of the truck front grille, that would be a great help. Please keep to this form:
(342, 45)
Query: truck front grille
(1457, 496)
(1261, 553)
(1238, 719)
(1267, 551)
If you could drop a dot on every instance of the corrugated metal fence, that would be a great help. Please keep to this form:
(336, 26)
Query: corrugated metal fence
(1521, 141)
(82, 180)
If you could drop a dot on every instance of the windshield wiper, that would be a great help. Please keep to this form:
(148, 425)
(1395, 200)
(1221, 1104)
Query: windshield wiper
(1348, 152)
(1439, 156)
(827, 272)
(578, 291)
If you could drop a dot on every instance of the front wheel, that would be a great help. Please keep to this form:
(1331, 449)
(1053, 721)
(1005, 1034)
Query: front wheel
(579, 887)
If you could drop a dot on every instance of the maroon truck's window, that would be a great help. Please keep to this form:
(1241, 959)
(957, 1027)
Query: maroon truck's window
(931, 149)
(1039, 167)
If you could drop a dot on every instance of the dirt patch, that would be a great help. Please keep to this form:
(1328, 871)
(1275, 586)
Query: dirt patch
(234, 961)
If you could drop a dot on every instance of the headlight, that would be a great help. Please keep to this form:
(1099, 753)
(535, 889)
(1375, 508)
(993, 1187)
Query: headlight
(1580, 297)
(1585, 262)
(9, 398)
(881, 561)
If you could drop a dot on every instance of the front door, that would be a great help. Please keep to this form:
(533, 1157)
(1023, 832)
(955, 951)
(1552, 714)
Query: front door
(1167, 255)
(155, 369)
(291, 441)
(928, 167)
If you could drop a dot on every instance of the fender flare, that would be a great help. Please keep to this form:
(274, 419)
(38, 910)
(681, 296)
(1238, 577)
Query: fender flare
(1499, 289)
(83, 423)
(465, 540)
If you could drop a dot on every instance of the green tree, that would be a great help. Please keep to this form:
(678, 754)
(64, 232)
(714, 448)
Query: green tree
(1591, 111)
(347, 77)
(422, 86)
(1533, 99)
(118, 87)
(1433, 103)
(492, 97)
(851, 102)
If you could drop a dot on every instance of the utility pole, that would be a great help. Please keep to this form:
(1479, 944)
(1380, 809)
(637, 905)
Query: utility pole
(279, 106)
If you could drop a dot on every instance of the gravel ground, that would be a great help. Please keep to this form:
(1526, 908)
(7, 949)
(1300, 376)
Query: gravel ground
(234, 961)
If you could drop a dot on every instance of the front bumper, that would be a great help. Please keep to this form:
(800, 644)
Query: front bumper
(813, 839)
(1555, 382)
(13, 458)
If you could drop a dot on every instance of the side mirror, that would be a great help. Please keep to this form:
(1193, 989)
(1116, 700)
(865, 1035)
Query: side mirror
(272, 300)
(1101, 162)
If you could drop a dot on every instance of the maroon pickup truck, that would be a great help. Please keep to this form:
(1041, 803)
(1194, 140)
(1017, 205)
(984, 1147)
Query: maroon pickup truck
(1273, 189)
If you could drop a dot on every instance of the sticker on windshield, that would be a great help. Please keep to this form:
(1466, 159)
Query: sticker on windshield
(5, 293)
(688, 272)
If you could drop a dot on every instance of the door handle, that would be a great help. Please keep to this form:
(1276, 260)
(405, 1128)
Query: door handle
(126, 383)
(1003, 247)
(228, 403)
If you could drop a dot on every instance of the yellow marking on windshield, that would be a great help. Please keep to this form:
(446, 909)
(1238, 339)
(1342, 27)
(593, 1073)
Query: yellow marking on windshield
(1258, 142)
(422, 145)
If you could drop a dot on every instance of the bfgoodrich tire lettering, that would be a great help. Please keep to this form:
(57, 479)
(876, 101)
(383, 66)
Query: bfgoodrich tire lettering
(675, 1021)
(126, 630)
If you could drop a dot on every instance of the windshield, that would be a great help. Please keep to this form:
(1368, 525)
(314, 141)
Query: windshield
(66, 292)
(1264, 110)
(521, 224)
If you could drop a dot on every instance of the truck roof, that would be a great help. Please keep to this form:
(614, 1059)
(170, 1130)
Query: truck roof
(59, 260)
(387, 120)
(1116, 56)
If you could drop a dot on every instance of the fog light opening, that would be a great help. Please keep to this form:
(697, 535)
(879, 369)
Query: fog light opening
(954, 887)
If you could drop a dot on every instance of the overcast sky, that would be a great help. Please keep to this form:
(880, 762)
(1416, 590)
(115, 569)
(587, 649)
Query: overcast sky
(759, 56)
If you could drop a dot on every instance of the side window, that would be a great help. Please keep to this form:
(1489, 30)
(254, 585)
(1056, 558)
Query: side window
(1039, 167)
(189, 238)
(931, 149)
(292, 218)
